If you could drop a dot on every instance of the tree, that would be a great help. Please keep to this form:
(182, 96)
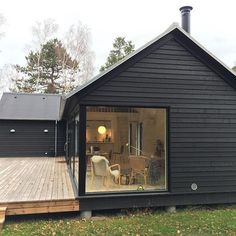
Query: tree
(4, 82)
(70, 56)
(4, 79)
(121, 48)
(43, 32)
(77, 43)
(2, 22)
(44, 70)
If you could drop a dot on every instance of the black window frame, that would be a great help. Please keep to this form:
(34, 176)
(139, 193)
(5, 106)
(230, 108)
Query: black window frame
(82, 153)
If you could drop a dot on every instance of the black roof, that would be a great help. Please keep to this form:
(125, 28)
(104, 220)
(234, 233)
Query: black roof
(21, 106)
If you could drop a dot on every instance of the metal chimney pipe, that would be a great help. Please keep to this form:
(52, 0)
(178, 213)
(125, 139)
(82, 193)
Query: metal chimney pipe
(185, 12)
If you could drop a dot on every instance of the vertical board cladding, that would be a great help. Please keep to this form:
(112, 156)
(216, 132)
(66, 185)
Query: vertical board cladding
(202, 114)
(29, 138)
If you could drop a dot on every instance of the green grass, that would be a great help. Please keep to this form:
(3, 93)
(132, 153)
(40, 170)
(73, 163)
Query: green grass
(188, 221)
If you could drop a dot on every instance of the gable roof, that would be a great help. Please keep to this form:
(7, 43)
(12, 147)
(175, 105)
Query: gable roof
(22, 106)
(186, 40)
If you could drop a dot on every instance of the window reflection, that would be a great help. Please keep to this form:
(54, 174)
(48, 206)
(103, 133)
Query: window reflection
(72, 149)
(125, 149)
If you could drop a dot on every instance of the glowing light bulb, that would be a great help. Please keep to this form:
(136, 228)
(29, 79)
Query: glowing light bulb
(102, 129)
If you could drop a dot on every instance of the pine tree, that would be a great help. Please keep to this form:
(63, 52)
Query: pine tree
(46, 68)
(121, 48)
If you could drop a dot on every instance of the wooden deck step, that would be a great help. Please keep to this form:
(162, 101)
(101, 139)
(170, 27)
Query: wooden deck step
(2, 216)
(39, 207)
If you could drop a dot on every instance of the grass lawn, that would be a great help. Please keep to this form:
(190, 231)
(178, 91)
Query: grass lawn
(219, 220)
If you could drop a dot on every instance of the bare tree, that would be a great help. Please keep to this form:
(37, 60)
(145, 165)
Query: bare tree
(8, 76)
(77, 42)
(4, 83)
(2, 22)
(43, 32)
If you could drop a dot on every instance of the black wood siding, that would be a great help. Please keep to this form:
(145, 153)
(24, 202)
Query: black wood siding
(29, 138)
(202, 114)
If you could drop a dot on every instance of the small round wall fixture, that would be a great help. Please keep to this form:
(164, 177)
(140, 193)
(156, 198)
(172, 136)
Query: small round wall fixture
(140, 188)
(12, 131)
(45, 131)
(102, 129)
(194, 186)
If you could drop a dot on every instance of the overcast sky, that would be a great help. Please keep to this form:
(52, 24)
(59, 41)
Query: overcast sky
(212, 23)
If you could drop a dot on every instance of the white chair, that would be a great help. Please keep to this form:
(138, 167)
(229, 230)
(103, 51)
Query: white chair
(100, 167)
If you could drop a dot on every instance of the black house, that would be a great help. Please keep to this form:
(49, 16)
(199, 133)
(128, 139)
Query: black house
(164, 118)
(30, 125)
(156, 129)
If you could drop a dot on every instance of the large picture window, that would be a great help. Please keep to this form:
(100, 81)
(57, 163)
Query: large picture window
(126, 149)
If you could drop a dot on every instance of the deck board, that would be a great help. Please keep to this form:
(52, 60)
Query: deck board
(11, 182)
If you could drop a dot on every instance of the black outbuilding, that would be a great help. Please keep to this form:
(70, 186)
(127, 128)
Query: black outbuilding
(30, 125)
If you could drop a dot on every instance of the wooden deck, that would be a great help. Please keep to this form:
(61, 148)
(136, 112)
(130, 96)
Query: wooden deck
(36, 185)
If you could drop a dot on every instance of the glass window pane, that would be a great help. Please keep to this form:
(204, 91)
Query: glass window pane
(126, 149)
(71, 148)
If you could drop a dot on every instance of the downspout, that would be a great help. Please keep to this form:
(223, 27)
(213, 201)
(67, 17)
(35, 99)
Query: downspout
(66, 144)
(55, 138)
